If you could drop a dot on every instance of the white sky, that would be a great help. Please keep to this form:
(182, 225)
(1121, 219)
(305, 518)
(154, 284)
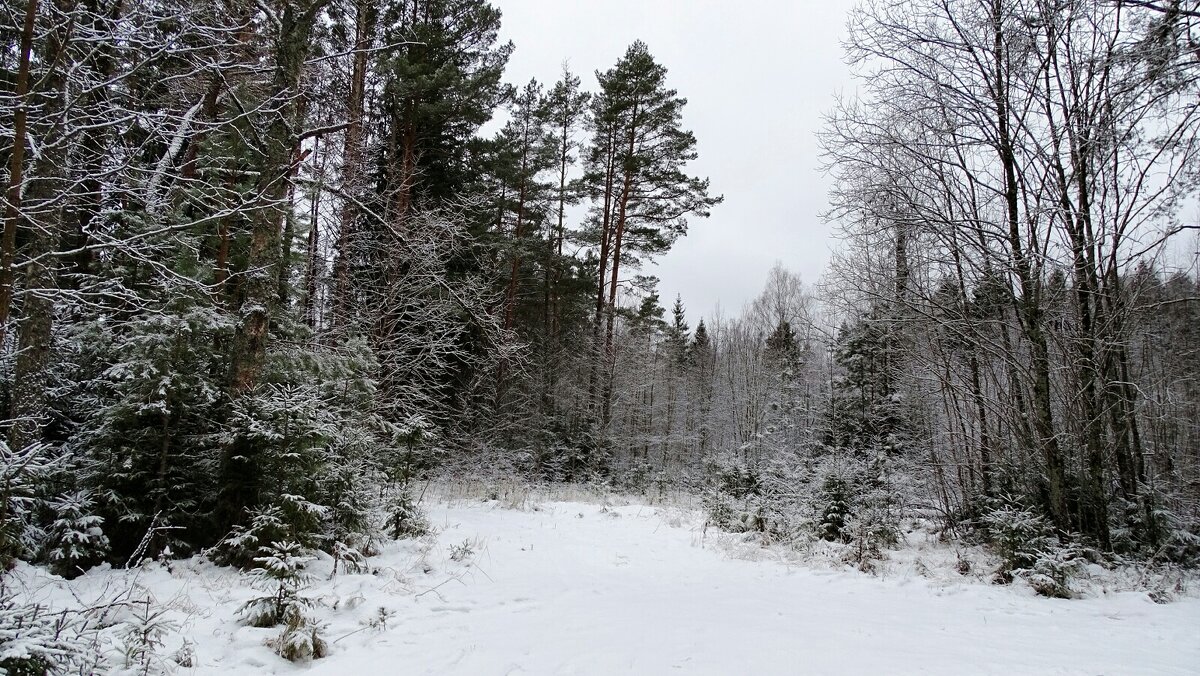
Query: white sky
(758, 75)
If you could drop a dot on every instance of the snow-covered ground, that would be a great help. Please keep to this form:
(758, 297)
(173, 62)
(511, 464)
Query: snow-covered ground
(582, 588)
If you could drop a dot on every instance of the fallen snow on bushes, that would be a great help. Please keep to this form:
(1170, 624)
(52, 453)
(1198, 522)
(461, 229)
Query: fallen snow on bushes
(580, 588)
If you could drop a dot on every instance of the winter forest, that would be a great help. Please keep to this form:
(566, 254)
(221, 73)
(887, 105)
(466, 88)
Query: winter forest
(297, 294)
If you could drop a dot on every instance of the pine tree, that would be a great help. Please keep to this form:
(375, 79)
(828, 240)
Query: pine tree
(440, 84)
(418, 273)
(564, 111)
(635, 175)
(525, 193)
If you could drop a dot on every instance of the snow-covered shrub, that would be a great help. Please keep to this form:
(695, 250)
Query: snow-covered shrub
(1150, 529)
(300, 640)
(1052, 570)
(411, 449)
(296, 437)
(379, 621)
(350, 487)
(407, 457)
(174, 465)
(75, 540)
(568, 450)
(1030, 550)
(20, 474)
(462, 551)
(186, 655)
(856, 502)
(351, 559)
(870, 529)
(1017, 534)
(282, 573)
(795, 496)
(404, 516)
(784, 495)
(639, 476)
(278, 435)
(306, 448)
(293, 519)
(733, 496)
(720, 509)
(587, 452)
(245, 542)
(1181, 545)
(35, 641)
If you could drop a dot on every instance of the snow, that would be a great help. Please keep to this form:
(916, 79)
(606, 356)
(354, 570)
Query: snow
(581, 588)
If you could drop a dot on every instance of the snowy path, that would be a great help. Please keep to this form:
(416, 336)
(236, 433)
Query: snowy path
(579, 589)
(572, 590)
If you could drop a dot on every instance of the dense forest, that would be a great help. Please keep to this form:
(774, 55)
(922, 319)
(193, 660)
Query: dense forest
(267, 266)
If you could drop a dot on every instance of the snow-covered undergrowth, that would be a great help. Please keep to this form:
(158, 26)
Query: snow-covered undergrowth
(570, 581)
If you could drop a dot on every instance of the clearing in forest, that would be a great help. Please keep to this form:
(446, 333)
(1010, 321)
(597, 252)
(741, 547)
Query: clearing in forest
(579, 588)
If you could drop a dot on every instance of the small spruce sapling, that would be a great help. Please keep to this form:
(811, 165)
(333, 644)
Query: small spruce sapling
(144, 635)
(246, 542)
(348, 490)
(461, 552)
(871, 528)
(834, 505)
(281, 572)
(75, 538)
(405, 519)
(1029, 549)
(735, 501)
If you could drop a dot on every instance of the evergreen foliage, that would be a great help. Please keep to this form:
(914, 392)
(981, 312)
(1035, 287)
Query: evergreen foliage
(143, 639)
(74, 540)
(35, 640)
(281, 571)
(1030, 550)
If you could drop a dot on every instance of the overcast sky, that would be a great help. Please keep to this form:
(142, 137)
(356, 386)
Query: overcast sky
(758, 76)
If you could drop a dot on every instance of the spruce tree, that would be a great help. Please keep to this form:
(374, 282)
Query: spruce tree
(677, 333)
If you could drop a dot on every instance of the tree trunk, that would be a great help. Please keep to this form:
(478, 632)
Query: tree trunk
(605, 238)
(311, 268)
(12, 210)
(352, 159)
(618, 234)
(1029, 305)
(259, 291)
(43, 211)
